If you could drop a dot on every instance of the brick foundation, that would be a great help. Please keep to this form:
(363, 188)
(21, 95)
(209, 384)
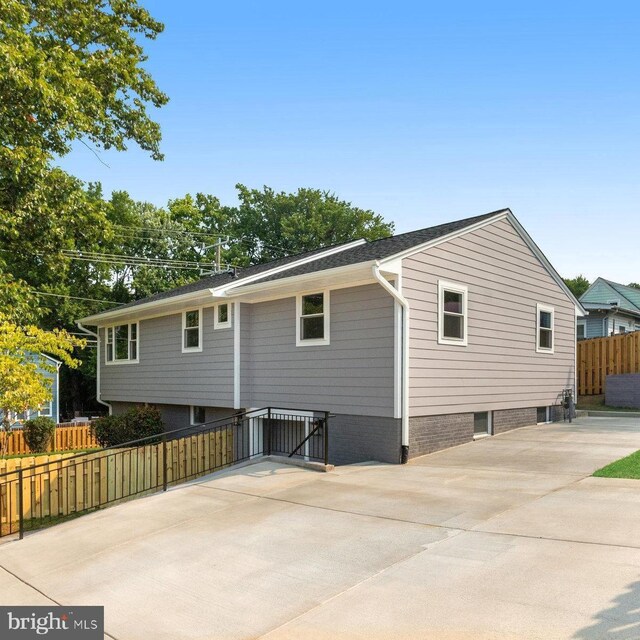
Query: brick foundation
(508, 419)
(428, 434)
(432, 433)
(362, 438)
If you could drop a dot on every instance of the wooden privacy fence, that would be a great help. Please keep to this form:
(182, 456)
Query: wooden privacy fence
(59, 485)
(600, 357)
(65, 439)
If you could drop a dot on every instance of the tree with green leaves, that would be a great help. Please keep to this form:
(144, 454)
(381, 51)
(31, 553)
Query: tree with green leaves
(577, 285)
(73, 70)
(276, 224)
(69, 71)
(23, 383)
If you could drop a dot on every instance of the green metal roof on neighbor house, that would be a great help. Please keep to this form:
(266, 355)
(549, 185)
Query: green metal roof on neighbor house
(612, 294)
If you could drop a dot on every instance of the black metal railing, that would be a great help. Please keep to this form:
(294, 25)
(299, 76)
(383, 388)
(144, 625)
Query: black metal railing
(45, 493)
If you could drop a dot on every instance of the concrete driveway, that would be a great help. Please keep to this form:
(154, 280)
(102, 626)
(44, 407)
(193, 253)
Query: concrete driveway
(506, 537)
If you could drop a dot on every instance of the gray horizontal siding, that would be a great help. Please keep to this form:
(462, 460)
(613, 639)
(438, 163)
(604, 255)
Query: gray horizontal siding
(500, 368)
(176, 416)
(245, 355)
(351, 375)
(594, 325)
(165, 374)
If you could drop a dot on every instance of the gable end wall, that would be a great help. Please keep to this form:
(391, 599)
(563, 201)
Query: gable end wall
(500, 368)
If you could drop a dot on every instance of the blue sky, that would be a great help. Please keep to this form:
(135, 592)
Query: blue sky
(424, 112)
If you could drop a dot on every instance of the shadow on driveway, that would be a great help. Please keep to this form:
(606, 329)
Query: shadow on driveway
(621, 621)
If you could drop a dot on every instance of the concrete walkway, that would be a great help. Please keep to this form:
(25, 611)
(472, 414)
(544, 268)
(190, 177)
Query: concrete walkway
(506, 537)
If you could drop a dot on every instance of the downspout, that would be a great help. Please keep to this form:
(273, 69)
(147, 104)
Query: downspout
(97, 337)
(404, 375)
(58, 392)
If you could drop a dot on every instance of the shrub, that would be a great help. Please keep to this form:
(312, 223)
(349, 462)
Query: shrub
(38, 433)
(138, 422)
(108, 430)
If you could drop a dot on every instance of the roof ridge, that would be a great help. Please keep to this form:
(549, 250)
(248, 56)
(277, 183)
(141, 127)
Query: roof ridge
(615, 286)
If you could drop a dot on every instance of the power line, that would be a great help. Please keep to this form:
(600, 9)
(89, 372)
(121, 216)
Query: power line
(198, 234)
(181, 232)
(60, 295)
(115, 258)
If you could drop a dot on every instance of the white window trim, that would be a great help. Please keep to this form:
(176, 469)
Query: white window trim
(456, 288)
(192, 421)
(222, 325)
(489, 432)
(325, 312)
(552, 311)
(197, 349)
(121, 361)
(547, 415)
(48, 404)
(581, 323)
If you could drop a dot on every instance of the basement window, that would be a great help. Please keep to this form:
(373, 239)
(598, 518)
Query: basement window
(542, 415)
(198, 415)
(481, 424)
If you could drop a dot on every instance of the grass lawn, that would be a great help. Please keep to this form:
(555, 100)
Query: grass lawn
(628, 467)
(596, 403)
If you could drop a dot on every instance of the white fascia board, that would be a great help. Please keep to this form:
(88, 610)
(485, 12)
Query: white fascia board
(103, 318)
(223, 290)
(302, 280)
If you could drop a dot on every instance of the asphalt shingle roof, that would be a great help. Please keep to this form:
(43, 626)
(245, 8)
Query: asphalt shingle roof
(376, 249)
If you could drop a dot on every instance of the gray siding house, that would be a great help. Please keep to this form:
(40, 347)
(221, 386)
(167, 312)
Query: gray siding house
(613, 309)
(414, 343)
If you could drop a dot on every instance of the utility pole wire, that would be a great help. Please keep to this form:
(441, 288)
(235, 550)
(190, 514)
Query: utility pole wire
(61, 295)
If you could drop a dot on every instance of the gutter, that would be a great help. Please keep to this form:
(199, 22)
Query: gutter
(402, 301)
(97, 337)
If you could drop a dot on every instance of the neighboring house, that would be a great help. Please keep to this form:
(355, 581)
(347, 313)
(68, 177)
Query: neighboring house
(51, 408)
(613, 309)
(416, 342)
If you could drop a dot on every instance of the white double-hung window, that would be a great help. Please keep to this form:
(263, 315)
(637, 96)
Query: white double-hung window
(312, 319)
(452, 313)
(122, 343)
(545, 328)
(192, 330)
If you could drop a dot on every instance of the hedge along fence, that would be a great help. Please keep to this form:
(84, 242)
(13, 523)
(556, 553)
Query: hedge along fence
(65, 439)
(59, 485)
(602, 357)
